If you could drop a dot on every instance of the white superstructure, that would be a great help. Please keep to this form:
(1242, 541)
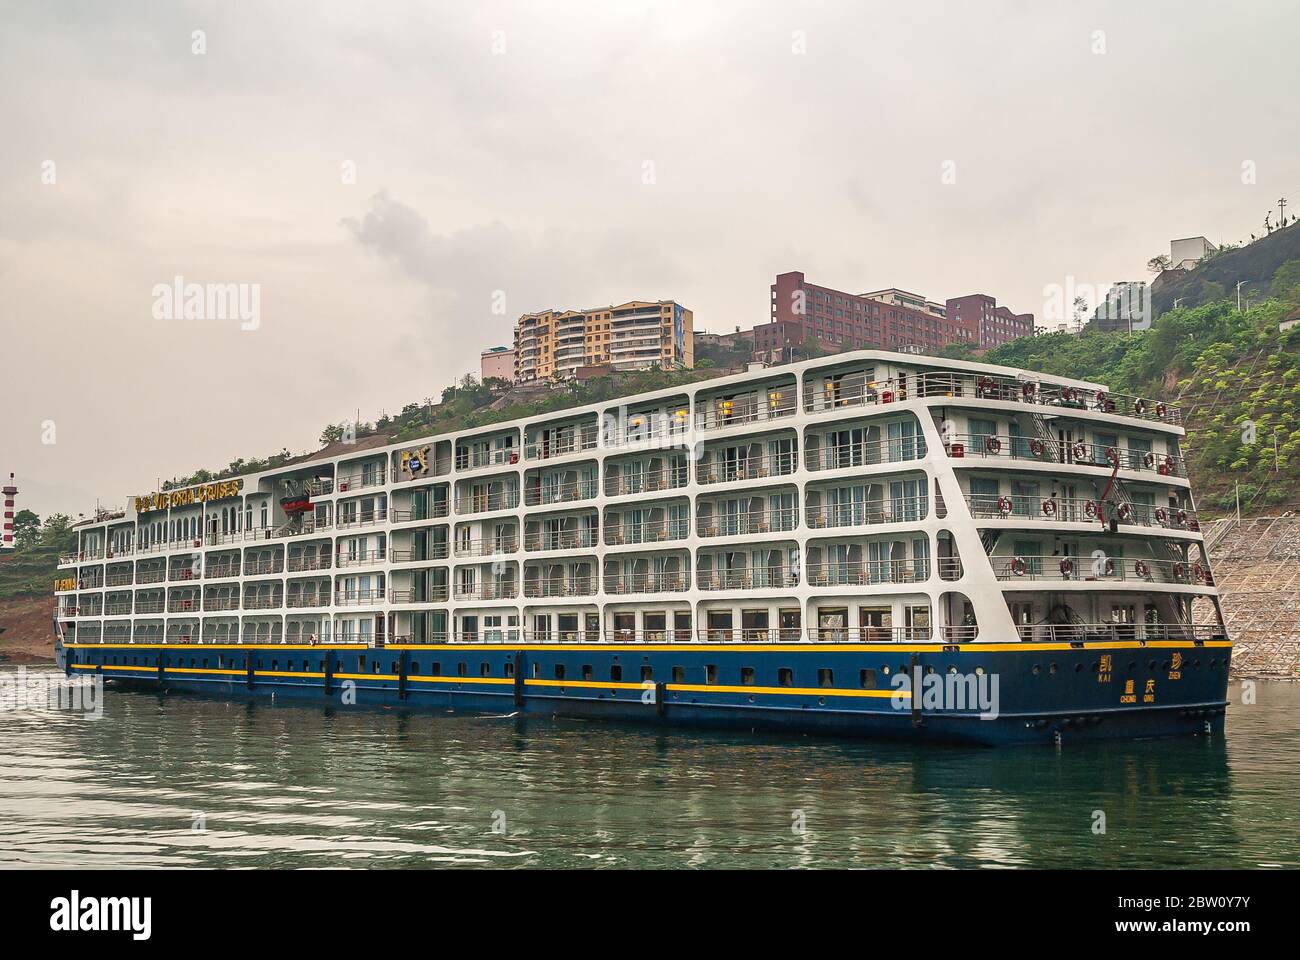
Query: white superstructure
(867, 495)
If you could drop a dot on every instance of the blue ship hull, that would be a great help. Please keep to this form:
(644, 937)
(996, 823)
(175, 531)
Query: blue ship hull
(1014, 692)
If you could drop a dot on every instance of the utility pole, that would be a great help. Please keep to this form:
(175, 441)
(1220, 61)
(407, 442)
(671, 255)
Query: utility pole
(1240, 284)
(1281, 211)
(1236, 484)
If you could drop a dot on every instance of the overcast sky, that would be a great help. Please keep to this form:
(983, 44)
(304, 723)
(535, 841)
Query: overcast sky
(563, 154)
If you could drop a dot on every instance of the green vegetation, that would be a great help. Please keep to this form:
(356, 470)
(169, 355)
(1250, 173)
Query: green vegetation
(29, 571)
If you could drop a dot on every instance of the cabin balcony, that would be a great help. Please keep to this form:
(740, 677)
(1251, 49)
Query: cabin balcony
(147, 631)
(550, 580)
(356, 478)
(262, 564)
(502, 542)
(664, 423)
(642, 575)
(117, 605)
(652, 474)
(91, 605)
(118, 632)
(864, 512)
(755, 458)
(309, 556)
(647, 522)
(773, 575)
(751, 405)
(562, 439)
(558, 531)
(435, 510)
(263, 599)
(861, 447)
(119, 577)
(360, 519)
(848, 574)
(742, 516)
(560, 487)
(362, 558)
(486, 589)
(221, 599)
(489, 500)
(491, 449)
(1029, 569)
(149, 602)
(150, 573)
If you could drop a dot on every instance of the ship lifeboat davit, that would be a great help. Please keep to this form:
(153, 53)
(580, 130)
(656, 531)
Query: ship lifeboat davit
(298, 504)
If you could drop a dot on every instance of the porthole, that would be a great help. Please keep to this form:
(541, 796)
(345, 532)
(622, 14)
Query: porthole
(979, 671)
(747, 676)
(1037, 670)
(1052, 669)
(884, 668)
(785, 677)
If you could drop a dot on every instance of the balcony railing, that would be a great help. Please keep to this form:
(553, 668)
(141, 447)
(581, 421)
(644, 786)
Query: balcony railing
(761, 578)
(1067, 510)
(362, 481)
(434, 511)
(148, 606)
(663, 531)
(1112, 632)
(308, 562)
(118, 579)
(301, 601)
(505, 590)
(254, 568)
(434, 551)
(559, 587)
(867, 512)
(362, 560)
(722, 470)
(354, 598)
(1039, 450)
(820, 397)
(1102, 569)
(436, 593)
(486, 503)
(486, 546)
(183, 605)
(560, 493)
(561, 447)
(835, 574)
(118, 609)
(221, 603)
(150, 576)
(740, 524)
(646, 583)
(352, 522)
(842, 456)
(560, 539)
(474, 459)
(625, 484)
(747, 409)
(260, 602)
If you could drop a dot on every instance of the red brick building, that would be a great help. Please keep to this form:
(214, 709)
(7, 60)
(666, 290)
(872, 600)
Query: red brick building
(890, 319)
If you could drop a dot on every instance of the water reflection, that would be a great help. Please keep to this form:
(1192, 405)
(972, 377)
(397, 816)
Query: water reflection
(183, 781)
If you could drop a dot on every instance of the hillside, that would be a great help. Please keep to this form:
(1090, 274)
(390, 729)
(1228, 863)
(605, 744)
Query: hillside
(1216, 278)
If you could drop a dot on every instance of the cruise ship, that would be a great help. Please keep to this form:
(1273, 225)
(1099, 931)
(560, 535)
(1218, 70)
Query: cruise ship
(870, 544)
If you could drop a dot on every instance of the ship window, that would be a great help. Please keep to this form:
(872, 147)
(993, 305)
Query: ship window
(616, 672)
(679, 674)
(394, 666)
(537, 669)
(462, 669)
(710, 673)
(415, 666)
(586, 671)
(306, 665)
(867, 679)
(275, 664)
(485, 669)
(825, 677)
(785, 677)
(747, 675)
(435, 669)
(647, 674)
(559, 671)
(510, 668)
(361, 664)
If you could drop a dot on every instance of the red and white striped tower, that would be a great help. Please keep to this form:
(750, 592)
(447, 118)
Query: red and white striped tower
(7, 531)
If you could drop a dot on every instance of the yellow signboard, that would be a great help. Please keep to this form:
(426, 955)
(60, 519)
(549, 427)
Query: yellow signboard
(67, 583)
(181, 498)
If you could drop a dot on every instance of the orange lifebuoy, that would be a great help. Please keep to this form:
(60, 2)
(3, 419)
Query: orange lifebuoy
(1125, 512)
(1161, 411)
(1149, 460)
(1140, 407)
(1090, 509)
(1067, 566)
(1018, 566)
(1080, 450)
(1161, 515)
(1004, 504)
(1049, 508)
(1036, 447)
(992, 444)
(1141, 569)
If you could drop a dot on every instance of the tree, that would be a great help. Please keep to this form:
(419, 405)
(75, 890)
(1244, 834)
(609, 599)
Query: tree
(1159, 264)
(27, 529)
(332, 433)
(57, 531)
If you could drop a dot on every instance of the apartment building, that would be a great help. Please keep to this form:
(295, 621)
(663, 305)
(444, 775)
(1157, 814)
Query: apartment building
(637, 335)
